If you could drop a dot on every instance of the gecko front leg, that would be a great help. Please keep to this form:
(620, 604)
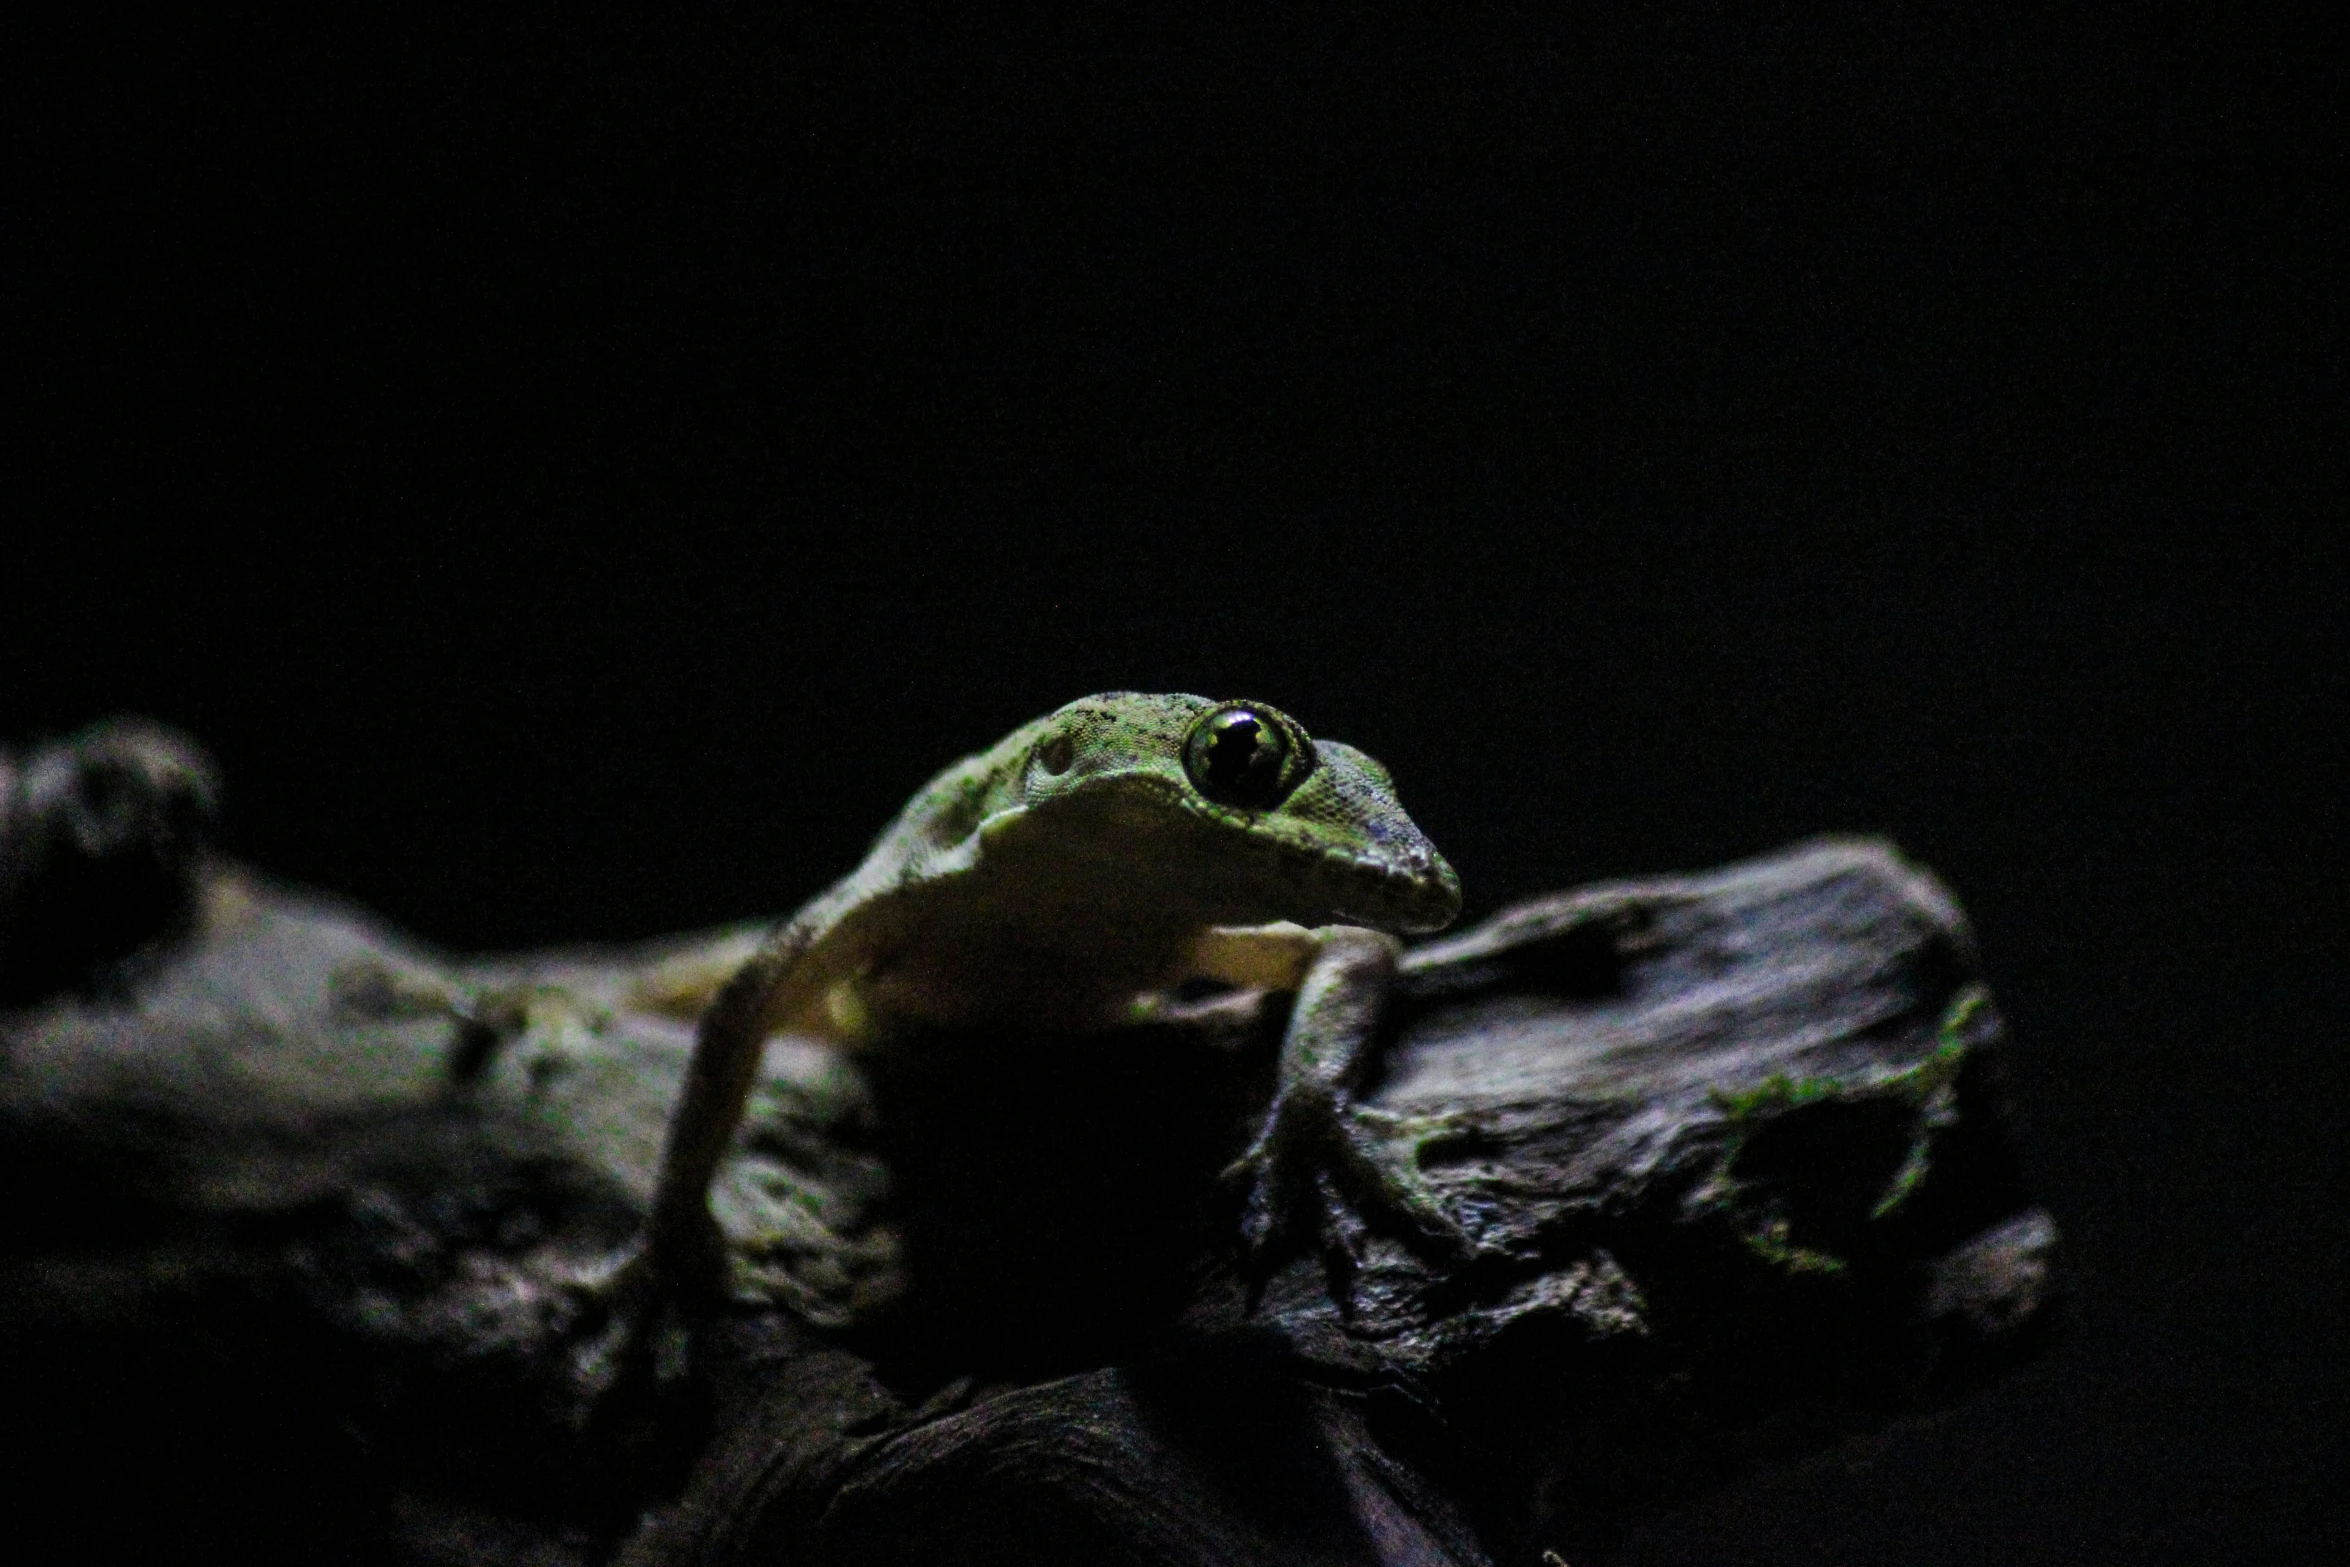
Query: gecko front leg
(1313, 1167)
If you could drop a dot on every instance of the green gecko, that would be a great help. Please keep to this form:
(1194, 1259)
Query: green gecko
(1087, 862)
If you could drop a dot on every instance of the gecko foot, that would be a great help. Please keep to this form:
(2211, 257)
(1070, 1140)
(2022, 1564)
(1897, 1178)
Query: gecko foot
(635, 1327)
(1315, 1177)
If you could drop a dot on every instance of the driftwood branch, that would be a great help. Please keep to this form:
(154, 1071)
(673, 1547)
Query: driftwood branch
(325, 1209)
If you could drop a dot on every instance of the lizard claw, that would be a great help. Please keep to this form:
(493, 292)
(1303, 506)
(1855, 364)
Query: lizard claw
(634, 1330)
(1315, 1177)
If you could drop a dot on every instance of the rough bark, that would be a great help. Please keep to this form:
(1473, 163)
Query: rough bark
(309, 1219)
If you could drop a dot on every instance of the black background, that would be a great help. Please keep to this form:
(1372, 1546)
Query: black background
(580, 475)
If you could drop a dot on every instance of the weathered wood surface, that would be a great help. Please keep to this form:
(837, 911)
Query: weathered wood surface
(307, 1222)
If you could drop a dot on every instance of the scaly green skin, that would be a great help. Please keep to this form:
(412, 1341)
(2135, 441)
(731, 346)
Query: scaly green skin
(1086, 862)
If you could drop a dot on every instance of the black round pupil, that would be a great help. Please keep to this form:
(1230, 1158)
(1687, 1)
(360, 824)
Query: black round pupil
(1237, 750)
(1240, 758)
(1237, 758)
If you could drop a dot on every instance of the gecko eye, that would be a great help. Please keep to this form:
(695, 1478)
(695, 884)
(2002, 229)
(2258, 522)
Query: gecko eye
(1242, 756)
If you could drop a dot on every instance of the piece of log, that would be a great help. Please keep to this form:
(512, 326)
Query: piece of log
(1734, 1152)
(309, 1220)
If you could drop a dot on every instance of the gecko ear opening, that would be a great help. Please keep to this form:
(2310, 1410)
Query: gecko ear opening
(1246, 755)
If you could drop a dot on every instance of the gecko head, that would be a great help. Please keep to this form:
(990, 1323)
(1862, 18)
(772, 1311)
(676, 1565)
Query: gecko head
(1232, 807)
